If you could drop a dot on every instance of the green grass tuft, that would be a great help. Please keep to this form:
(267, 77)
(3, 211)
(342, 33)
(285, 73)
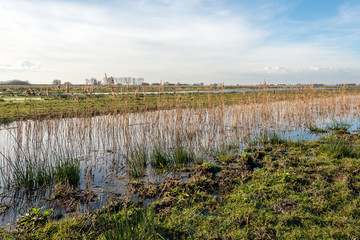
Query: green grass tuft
(137, 161)
(180, 156)
(337, 147)
(317, 130)
(135, 224)
(339, 126)
(159, 159)
(67, 170)
(31, 172)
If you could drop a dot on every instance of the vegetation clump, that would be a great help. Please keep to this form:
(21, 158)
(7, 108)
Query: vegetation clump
(178, 156)
(26, 172)
(159, 158)
(137, 161)
(33, 219)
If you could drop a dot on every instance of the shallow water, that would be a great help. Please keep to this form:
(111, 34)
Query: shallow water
(103, 143)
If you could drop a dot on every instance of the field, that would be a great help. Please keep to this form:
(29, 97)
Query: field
(179, 163)
(21, 103)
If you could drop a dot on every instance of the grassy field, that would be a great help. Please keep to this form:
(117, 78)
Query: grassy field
(276, 189)
(20, 90)
(58, 104)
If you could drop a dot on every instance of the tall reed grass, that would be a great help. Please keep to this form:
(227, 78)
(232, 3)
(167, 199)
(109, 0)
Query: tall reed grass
(28, 172)
(182, 133)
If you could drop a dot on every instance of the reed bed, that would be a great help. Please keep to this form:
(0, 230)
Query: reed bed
(31, 172)
(99, 150)
(114, 140)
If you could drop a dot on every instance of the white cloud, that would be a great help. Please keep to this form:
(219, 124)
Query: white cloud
(274, 69)
(22, 66)
(158, 40)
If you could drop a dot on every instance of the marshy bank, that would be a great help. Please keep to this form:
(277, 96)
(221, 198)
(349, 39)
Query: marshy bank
(275, 189)
(90, 101)
(97, 160)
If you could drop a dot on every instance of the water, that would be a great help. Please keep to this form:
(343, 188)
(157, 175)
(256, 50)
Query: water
(103, 143)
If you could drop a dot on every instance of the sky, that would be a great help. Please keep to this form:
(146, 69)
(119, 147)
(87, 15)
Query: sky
(188, 41)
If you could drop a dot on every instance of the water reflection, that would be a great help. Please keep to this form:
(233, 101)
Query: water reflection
(103, 143)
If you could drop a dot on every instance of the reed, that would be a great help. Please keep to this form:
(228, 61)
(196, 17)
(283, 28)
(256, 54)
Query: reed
(30, 172)
(137, 161)
(67, 170)
(125, 140)
(159, 159)
(180, 156)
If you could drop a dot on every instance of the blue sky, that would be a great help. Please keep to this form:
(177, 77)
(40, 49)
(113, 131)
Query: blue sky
(210, 41)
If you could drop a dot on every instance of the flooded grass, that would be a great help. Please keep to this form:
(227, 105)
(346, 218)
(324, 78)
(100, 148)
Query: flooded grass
(92, 102)
(95, 160)
(22, 173)
(273, 191)
(339, 126)
(159, 159)
(180, 156)
(137, 161)
(31, 172)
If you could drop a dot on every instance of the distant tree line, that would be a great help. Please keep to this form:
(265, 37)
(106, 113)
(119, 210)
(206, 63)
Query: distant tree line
(15, 82)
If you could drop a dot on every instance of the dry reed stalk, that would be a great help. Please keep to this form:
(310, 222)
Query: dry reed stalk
(113, 92)
(67, 87)
(106, 80)
(144, 93)
(198, 128)
(136, 94)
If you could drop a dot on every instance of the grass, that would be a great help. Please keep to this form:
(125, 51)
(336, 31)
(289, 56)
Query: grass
(274, 139)
(30, 173)
(138, 223)
(338, 147)
(242, 199)
(159, 158)
(137, 161)
(180, 156)
(58, 106)
(339, 126)
(290, 197)
(67, 170)
(317, 130)
(334, 126)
